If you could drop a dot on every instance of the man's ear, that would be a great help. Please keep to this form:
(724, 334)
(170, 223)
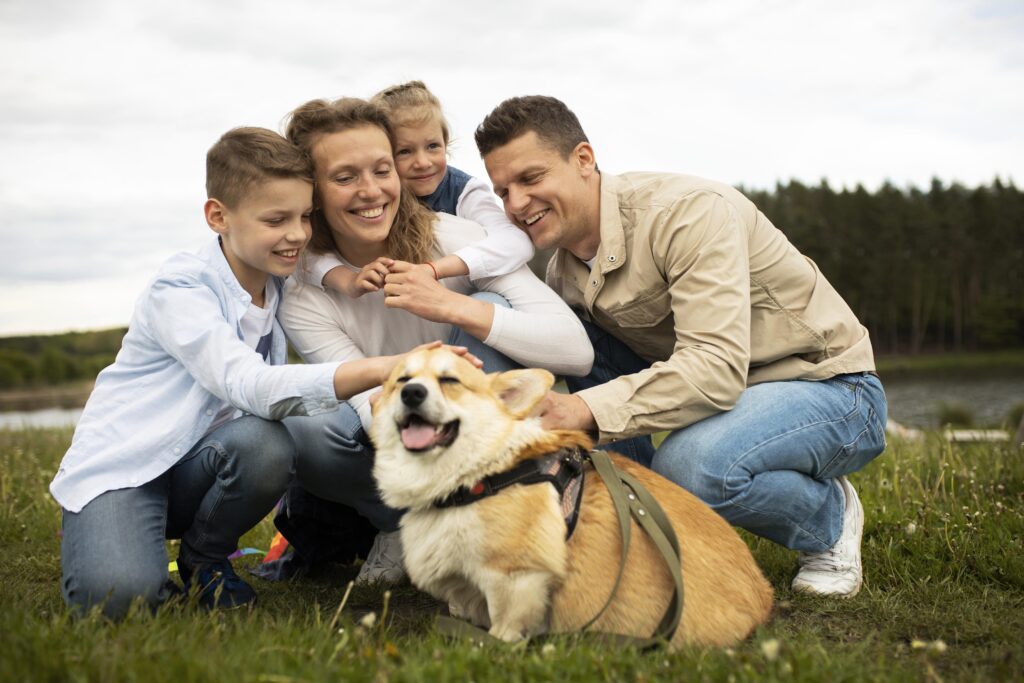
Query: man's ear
(216, 216)
(521, 390)
(584, 158)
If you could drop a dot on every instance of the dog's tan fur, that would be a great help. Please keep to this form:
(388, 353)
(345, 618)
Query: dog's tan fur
(503, 562)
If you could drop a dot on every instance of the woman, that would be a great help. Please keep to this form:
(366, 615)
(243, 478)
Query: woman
(380, 230)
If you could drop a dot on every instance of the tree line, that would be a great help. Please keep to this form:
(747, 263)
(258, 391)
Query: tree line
(49, 360)
(940, 269)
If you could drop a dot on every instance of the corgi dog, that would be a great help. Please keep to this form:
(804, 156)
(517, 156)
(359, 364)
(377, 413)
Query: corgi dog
(504, 561)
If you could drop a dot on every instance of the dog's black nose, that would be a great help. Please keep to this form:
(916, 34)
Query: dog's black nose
(413, 394)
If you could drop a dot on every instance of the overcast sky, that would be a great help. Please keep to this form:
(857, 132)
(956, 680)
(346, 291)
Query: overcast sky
(107, 108)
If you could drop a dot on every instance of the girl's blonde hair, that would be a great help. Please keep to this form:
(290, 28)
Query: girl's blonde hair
(412, 104)
(412, 234)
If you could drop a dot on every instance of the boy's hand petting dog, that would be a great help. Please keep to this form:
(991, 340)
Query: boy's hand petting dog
(391, 362)
(457, 350)
(370, 278)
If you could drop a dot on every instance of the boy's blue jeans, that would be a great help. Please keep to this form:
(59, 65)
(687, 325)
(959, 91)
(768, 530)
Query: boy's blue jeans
(113, 550)
(335, 456)
(769, 464)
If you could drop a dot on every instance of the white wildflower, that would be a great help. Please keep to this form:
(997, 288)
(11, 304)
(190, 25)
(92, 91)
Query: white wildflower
(770, 649)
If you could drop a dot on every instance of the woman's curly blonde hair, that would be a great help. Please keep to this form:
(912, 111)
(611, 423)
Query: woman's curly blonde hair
(412, 234)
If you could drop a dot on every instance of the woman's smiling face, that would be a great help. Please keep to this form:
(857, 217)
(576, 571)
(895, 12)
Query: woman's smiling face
(358, 190)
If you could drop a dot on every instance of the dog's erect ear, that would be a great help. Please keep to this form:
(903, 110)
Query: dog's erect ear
(521, 390)
(374, 399)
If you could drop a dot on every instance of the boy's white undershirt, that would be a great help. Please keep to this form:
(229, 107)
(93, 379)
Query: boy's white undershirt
(257, 324)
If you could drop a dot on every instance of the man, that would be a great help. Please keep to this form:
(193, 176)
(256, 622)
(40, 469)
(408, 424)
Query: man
(707, 323)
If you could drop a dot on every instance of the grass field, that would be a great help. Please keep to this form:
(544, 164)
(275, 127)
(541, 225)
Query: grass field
(943, 600)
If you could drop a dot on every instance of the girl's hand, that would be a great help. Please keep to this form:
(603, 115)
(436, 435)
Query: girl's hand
(371, 277)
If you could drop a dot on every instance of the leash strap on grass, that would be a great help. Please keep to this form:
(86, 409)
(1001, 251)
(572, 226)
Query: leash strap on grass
(463, 630)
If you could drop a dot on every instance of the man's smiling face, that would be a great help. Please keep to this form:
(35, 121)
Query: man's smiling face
(548, 196)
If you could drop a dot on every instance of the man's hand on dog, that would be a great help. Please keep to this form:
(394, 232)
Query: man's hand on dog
(566, 411)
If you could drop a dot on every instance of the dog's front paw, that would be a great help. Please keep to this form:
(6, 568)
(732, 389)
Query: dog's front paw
(458, 611)
(507, 633)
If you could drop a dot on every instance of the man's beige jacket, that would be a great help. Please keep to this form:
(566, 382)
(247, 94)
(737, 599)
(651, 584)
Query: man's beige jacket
(696, 280)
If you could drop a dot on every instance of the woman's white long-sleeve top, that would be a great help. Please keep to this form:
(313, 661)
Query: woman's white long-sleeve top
(540, 330)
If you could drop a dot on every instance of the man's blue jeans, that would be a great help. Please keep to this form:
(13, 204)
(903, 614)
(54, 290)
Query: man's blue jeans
(335, 456)
(769, 464)
(113, 549)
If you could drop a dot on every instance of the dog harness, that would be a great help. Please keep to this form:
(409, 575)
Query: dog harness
(562, 469)
(632, 502)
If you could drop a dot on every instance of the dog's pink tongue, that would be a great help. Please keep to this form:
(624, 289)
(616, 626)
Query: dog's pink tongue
(418, 435)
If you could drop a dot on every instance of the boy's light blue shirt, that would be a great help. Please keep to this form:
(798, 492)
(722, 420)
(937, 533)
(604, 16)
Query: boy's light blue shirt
(182, 358)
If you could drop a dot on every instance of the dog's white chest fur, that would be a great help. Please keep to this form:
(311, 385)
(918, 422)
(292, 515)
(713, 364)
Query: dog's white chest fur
(443, 551)
(441, 541)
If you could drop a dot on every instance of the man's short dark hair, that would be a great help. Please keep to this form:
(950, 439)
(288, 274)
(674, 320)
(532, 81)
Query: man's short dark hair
(552, 121)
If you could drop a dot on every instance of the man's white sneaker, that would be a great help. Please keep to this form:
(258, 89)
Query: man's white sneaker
(384, 561)
(836, 571)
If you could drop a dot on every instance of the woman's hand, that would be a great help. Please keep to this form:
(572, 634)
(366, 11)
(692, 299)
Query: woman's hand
(412, 287)
(371, 277)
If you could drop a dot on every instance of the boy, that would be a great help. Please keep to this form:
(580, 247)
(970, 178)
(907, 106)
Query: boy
(180, 437)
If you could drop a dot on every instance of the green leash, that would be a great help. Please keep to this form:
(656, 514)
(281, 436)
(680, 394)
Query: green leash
(631, 500)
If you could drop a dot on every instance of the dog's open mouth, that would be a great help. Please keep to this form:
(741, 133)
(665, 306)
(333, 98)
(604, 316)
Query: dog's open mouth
(418, 435)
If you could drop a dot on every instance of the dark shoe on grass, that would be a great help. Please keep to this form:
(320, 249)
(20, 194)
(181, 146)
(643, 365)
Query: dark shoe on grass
(218, 585)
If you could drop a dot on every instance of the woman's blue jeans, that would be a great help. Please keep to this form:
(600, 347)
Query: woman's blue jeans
(335, 456)
(113, 550)
(769, 464)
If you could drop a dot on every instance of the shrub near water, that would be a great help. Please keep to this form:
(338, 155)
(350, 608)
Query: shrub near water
(943, 600)
(955, 415)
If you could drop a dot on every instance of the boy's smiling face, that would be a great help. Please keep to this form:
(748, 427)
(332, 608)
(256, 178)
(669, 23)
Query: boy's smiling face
(265, 233)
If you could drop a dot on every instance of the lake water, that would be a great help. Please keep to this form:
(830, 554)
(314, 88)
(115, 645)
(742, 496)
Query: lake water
(48, 417)
(913, 402)
(916, 402)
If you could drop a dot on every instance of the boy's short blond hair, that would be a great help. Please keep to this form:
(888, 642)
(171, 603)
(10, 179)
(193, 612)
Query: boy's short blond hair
(412, 104)
(245, 158)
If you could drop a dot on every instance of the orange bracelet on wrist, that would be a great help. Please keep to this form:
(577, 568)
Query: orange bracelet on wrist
(433, 269)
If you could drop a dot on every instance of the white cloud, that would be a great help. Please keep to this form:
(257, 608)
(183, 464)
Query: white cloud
(107, 108)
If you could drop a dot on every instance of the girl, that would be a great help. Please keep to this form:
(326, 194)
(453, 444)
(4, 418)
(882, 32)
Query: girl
(421, 148)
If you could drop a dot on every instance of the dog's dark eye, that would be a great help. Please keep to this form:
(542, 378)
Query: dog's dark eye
(403, 379)
(447, 380)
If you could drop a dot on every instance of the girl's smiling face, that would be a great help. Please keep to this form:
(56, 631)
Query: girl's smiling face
(358, 190)
(420, 155)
